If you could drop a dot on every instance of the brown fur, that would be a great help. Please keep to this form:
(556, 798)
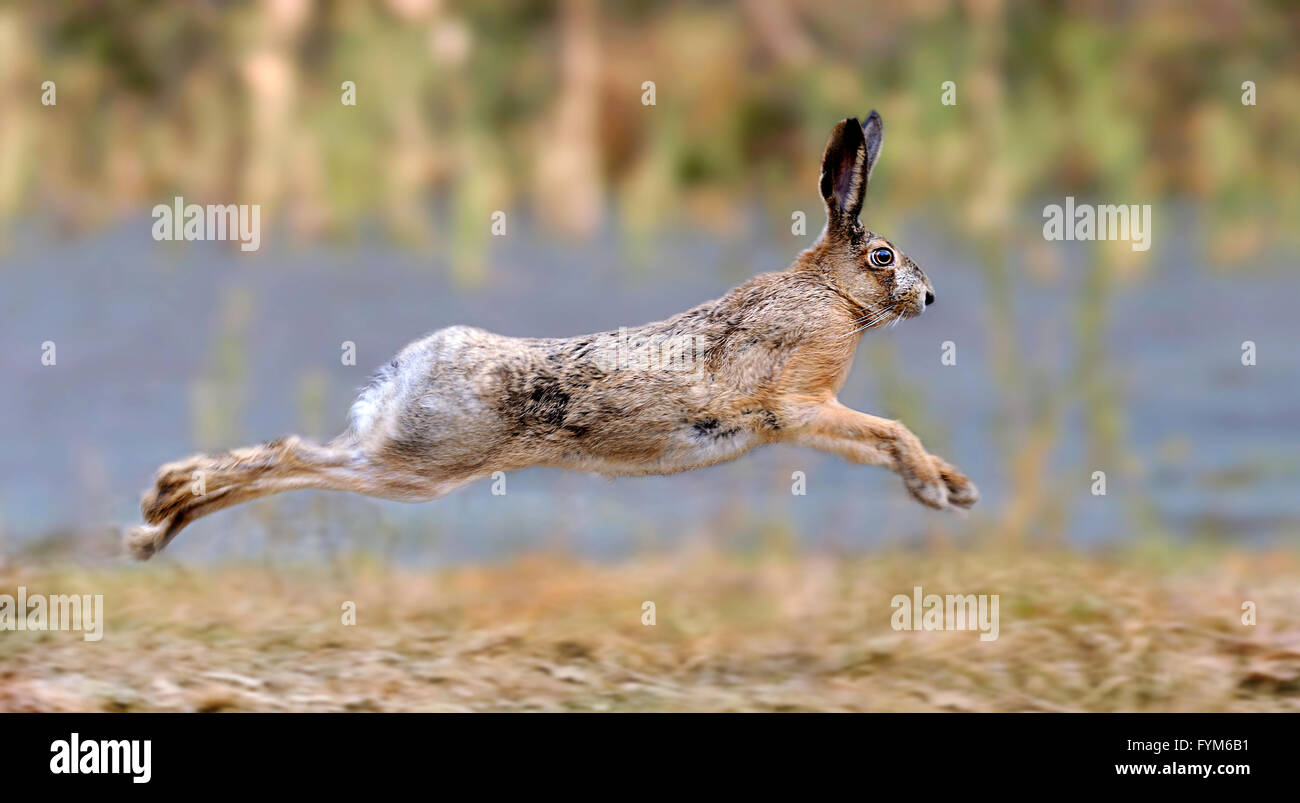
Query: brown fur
(462, 403)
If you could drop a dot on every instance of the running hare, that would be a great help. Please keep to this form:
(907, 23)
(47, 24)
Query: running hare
(760, 365)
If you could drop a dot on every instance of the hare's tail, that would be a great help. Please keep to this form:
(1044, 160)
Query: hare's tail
(194, 487)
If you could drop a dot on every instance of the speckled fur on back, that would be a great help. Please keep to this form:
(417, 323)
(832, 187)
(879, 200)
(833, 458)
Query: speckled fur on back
(762, 364)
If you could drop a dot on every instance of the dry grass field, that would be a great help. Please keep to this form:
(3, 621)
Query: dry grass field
(1151, 630)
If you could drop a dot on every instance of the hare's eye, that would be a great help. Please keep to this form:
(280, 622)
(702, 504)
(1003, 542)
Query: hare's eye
(882, 257)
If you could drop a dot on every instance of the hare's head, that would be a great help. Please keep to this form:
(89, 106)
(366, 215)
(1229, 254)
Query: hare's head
(865, 267)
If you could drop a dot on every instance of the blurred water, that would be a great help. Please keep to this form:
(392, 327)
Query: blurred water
(1212, 444)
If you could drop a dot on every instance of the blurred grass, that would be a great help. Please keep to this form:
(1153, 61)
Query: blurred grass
(1151, 628)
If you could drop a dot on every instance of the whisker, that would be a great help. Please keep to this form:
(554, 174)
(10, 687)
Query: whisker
(866, 324)
(871, 319)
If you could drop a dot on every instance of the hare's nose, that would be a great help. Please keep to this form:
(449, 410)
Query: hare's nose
(929, 298)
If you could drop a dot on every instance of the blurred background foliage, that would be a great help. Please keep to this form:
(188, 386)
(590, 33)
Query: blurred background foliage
(466, 108)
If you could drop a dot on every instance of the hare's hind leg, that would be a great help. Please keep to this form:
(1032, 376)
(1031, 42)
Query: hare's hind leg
(190, 489)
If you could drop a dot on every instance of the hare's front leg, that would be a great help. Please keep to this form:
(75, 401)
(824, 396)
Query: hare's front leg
(877, 441)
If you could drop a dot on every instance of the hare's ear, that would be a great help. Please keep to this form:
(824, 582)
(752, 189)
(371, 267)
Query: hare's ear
(850, 154)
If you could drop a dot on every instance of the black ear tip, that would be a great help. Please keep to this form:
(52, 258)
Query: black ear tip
(874, 117)
(851, 131)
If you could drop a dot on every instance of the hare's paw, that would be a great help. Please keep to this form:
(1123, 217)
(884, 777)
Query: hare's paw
(961, 491)
(145, 541)
(930, 491)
